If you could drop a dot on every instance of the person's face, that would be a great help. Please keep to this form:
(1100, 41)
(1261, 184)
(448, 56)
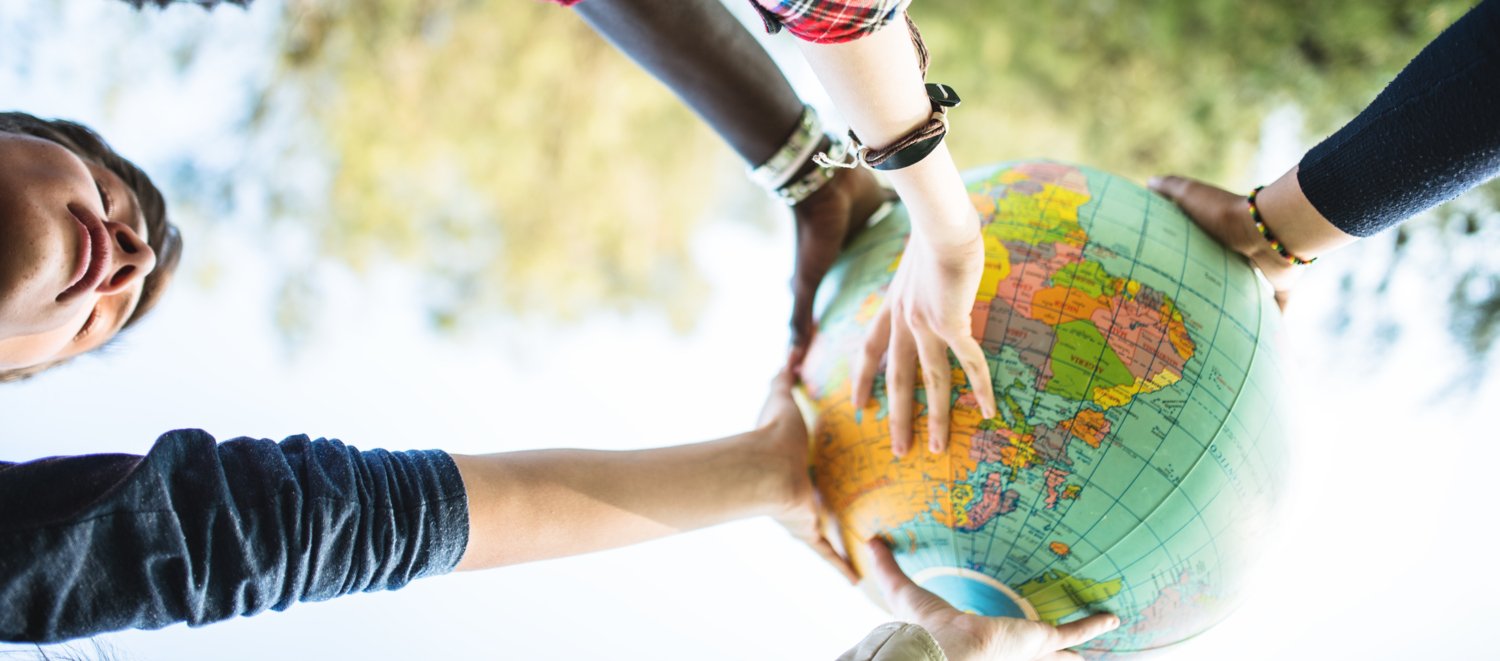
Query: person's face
(73, 252)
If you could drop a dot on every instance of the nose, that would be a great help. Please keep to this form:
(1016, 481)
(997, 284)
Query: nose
(130, 258)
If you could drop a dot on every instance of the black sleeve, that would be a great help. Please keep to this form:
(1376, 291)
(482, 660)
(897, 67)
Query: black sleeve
(1432, 134)
(197, 531)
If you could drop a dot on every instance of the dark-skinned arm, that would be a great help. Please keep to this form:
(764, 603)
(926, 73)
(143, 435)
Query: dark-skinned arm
(698, 50)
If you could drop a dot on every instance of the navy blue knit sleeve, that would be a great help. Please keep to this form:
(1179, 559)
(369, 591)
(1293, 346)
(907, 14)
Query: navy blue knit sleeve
(197, 531)
(1432, 134)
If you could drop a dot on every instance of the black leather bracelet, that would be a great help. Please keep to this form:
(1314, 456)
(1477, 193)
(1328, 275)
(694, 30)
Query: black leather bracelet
(942, 97)
(911, 148)
(911, 155)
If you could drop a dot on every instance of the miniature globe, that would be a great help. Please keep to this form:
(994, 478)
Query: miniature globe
(1138, 456)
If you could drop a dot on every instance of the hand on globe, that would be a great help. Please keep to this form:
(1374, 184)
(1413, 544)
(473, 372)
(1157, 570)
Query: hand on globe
(968, 637)
(1226, 218)
(801, 512)
(826, 222)
(926, 312)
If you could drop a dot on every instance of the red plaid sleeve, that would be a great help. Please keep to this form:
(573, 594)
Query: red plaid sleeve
(829, 21)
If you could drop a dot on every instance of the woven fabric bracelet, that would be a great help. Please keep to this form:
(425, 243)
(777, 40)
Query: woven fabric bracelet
(1260, 226)
(796, 191)
(784, 164)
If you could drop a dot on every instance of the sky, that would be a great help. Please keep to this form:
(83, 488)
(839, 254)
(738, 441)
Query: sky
(1382, 555)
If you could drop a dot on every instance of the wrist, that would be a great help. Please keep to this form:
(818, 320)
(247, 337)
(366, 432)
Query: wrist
(1295, 222)
(937, 200)
(776, 455)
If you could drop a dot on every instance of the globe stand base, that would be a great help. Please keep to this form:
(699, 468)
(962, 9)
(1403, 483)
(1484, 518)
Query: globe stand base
(973, 592)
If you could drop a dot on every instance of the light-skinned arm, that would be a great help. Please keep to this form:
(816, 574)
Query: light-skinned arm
(535, 505)
(876, 82)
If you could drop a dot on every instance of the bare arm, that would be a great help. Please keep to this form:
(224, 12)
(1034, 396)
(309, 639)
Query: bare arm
(877, 84)
(526, 506)
(1427, 137)
(702, 53)
(876, 80)
(699, 50)
(1292, 219)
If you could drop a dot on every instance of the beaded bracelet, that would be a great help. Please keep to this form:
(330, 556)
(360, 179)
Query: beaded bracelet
(1260, 226)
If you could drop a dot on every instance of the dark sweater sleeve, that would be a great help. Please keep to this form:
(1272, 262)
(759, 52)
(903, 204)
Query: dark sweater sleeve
(1432, 134)
(197, 531)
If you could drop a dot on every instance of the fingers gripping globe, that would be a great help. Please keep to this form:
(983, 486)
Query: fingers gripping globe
(1138, 456)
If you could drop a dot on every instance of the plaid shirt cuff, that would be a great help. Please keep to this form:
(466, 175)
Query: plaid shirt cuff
(828, 21)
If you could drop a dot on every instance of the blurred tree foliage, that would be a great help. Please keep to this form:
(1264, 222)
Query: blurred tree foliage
(518, 160)
(504, 149)
(1148, 86)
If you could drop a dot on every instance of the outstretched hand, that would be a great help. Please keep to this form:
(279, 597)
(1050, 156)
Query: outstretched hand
(826, 222)
(926, 312)
(1226, 218)
(801, 513)
(968, 637)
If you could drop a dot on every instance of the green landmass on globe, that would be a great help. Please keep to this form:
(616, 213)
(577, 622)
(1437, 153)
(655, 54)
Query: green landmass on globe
(1138, 457)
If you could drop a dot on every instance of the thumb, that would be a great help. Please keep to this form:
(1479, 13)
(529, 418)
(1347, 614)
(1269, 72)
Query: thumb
(1219, 212)
(1084, 630)
(907, 600)
(1171, 187)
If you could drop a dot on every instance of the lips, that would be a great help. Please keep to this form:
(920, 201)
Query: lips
(93, 253)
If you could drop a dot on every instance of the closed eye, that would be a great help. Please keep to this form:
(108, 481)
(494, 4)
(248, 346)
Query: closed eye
(104, 198)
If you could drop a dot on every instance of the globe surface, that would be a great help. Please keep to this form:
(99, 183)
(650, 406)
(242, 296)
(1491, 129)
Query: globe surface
(1138, 455)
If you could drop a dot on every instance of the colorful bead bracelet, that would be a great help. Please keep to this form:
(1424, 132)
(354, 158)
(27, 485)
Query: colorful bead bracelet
(1260, 226)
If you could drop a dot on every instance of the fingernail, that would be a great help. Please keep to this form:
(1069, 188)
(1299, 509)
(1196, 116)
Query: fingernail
(1153, 183)
(1114, 621)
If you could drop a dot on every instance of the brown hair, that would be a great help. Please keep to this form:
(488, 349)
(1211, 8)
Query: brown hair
(162, 235)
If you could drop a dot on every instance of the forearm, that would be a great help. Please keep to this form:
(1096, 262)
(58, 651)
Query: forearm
(198, 531)
(1425, 139)
(526, 506)
(1295, 222)
(699, 50)
(1429, 136)
(876, 82)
